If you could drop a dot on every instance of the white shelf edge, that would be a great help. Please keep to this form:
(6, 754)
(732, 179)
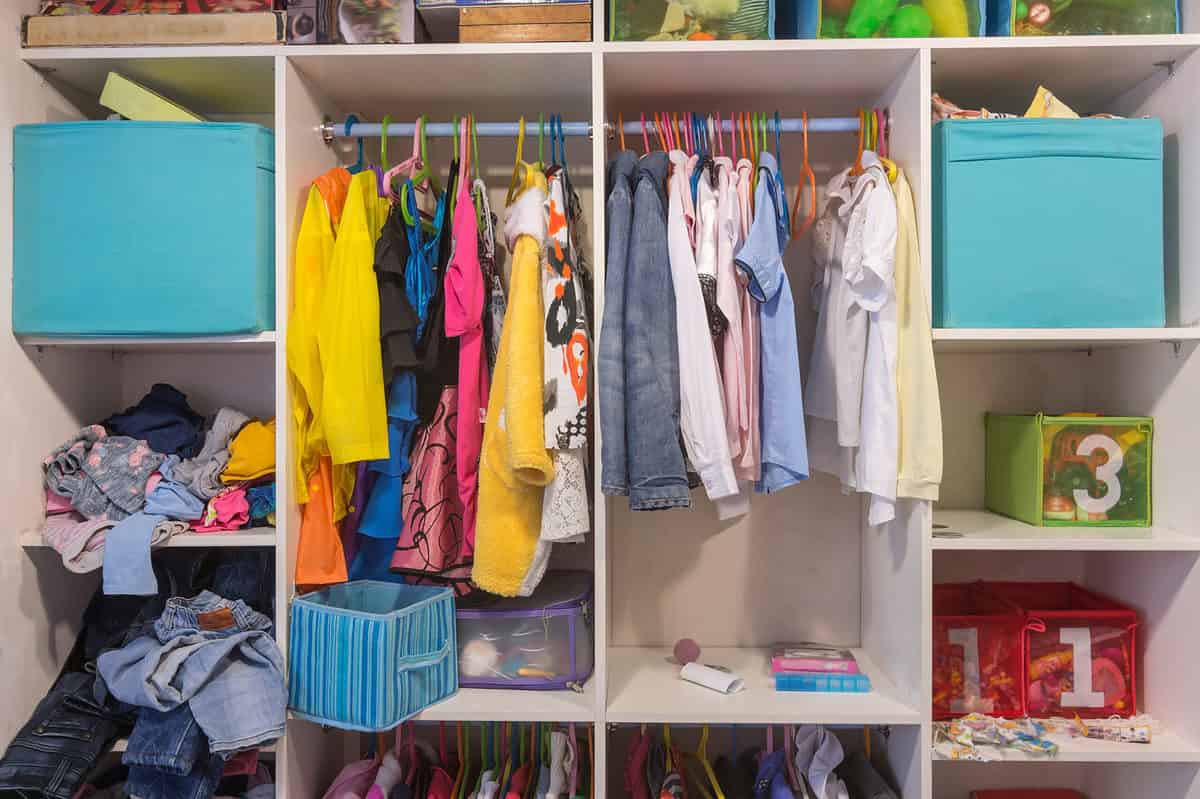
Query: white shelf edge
(486, 704)
(34, 55)
(986, 531)
(265, 339)
(1165, 748)
(988, 339)
(250, 537)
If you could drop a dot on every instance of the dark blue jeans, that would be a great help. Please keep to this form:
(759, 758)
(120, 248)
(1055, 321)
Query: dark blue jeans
(56, 748)
(168, 757)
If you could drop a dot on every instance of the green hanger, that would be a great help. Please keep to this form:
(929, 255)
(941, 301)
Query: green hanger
(460, 788)
(383, 137)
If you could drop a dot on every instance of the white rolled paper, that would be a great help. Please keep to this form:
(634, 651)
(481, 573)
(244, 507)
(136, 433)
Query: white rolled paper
(721, 681)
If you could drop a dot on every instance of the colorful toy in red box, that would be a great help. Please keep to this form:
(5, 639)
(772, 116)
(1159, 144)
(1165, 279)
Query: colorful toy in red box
(977, 657)
(1079, 649)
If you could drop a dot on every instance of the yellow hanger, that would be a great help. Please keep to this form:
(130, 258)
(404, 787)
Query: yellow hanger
(515, 183)
(702, 753)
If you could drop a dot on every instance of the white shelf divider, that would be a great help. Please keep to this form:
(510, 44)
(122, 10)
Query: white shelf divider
(249, 537)
(644, 687)
(980, 530)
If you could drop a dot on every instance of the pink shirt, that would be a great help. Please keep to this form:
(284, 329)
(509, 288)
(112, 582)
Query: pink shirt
(748, 465)
(464, 319)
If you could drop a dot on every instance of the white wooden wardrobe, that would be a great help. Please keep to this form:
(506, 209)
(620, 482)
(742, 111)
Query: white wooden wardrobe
(802, 564)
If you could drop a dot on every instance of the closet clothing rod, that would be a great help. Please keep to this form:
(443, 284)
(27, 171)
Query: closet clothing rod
(338, 130)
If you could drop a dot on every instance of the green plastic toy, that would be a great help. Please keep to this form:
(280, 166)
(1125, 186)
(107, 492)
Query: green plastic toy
(868, 17)
(909, 22)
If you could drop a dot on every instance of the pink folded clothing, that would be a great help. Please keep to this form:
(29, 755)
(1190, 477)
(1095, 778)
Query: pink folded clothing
(80, 541)
(56, 504)
(228, 510)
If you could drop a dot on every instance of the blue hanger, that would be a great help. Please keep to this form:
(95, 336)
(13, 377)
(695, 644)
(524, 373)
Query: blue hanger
(779, 174)
(358, 167)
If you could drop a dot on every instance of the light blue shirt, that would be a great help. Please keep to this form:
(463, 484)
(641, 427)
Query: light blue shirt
(781, 419)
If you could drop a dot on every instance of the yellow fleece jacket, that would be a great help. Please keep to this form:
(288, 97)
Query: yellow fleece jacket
(515, 465)
(353, 413)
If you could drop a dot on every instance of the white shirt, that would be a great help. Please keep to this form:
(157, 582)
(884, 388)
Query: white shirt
(851, 393)
(701, 410)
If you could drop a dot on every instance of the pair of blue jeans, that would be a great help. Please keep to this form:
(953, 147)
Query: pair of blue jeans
(657, 478)
(53, 753)
(216, 656)
(169, 758)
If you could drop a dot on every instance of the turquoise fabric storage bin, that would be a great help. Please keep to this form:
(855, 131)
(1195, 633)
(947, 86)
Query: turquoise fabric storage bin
(143, 229)
(369, 655)
(1048, 223)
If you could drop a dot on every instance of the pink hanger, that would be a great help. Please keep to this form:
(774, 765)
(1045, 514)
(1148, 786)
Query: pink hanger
(691, 143)
(407, 165)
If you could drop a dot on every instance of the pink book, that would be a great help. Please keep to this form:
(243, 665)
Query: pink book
(806, 656)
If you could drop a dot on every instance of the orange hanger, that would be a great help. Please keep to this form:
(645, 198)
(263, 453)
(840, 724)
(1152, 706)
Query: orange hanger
(676, 140)
(621, 129)
(645, 138)
(806, 174)
(857, 169)
(659, 129)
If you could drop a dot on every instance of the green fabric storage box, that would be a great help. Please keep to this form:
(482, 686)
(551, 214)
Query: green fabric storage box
(1048, 223)
(143, 229)
(1062, 471)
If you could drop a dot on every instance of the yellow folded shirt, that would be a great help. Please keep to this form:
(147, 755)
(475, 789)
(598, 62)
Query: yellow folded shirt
(251, 453)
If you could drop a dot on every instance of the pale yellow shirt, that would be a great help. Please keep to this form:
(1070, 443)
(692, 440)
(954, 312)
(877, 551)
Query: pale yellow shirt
(920, 410)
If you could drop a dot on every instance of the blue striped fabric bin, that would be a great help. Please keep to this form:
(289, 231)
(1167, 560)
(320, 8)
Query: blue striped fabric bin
(368, 655)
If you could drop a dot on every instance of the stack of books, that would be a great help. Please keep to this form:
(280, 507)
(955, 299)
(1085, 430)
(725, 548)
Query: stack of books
(813, 667)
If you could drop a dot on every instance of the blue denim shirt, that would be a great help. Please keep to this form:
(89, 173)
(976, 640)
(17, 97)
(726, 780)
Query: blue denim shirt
(614, 473)
(657, 478)
(784, 446)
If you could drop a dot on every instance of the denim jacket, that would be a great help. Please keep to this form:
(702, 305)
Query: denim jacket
(657, 479)
(614, 477)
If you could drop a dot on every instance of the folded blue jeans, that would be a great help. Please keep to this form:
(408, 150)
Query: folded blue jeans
(168, 757)
(216, 656)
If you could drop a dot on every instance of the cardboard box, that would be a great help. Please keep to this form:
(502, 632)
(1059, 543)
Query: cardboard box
(151, 29)
(540, 22)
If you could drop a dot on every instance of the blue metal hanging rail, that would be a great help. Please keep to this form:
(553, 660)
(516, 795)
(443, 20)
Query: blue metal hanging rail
(366, 130)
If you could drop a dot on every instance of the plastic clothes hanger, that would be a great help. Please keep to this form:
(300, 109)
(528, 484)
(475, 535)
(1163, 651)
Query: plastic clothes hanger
(421, 178)
(621, 130)
(383, 141)
(806, 174)
(857, 168)
(881, 125)
(788, 760)
(359, 165)
(485, 756)
(519, 182)
(645, 138)
(458, 772)
(407, 165)
(702, 753)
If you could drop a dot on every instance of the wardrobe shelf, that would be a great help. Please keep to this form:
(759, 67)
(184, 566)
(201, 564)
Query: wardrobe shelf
(644, 687)
(482, 704)
(250, 537)
(210, 80)
(961, 339)
(1165, 748)
(982, 530)
(255, 341)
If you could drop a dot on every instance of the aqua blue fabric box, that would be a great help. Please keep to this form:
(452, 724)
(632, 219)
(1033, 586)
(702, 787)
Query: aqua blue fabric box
(1048, 223)
(127, 228)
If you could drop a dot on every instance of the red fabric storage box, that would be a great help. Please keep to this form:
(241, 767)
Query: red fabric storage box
(1074, 635)
(978, 658)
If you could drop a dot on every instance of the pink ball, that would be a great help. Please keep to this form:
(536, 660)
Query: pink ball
(686, 651)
